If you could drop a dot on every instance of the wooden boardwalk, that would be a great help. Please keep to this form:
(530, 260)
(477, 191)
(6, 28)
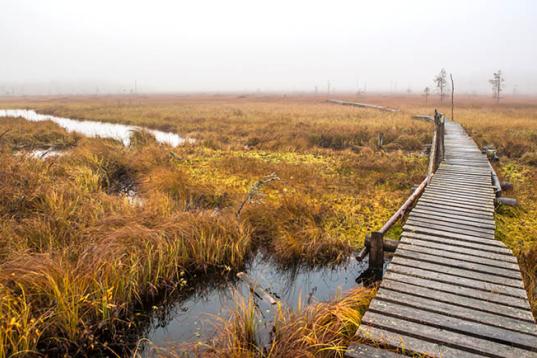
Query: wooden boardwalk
(451, 289)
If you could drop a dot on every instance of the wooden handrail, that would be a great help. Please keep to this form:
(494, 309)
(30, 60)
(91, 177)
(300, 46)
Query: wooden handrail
(435, 157)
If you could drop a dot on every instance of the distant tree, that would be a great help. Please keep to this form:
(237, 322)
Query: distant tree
(441, 82)
(496, 82)
(427, 93)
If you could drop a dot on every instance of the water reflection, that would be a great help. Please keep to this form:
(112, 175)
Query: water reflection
(193, 318)
(121, 132)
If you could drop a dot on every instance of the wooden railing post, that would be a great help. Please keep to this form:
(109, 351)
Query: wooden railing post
(376, 253)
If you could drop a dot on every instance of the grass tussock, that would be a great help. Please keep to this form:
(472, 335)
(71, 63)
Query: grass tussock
(320, 330)
(19, 134)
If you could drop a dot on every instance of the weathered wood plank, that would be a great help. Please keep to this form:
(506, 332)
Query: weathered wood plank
(431, 340)
(517, 315)
(450, 227)
(454, 216)
(459, 243)
(442, 210)
(441, 233)
(410, 345)
(453, 310)
(449, 208)
(470, 195)
(483, 260)
(468, 198)
(454, 288)
(453, 219)
(460, 206)
(457, 188)
(449, 323)
(457, 263)
(502, 284)
(446, 277)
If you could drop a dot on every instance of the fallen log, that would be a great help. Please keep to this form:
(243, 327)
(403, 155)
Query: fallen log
(255, 286)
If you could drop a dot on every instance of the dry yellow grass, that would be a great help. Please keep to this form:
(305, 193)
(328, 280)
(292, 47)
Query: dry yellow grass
(78, 259)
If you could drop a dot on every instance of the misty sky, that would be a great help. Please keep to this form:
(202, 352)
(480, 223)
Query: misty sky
(59, 46)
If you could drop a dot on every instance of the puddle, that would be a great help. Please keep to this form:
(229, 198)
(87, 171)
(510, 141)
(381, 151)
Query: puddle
(121, 132)
(193, 319)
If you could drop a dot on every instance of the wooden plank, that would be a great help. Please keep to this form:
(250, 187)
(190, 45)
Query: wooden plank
(465, 168)
(456, 243)
(449, 287)
(466, 182)
(488, 213)
(466, 172)
(486, 205)
(453, 310)
(454, 219)
(508, 285)
(475, 265)
(363, 350)
(454, 204)
(454, 186)
(446, 277)
(472, 195)
(512, 314)
(459, 225)
(453, 324)
(435, 207)
(413, 245)
(460, 184)
(474, 177)
(433, 341)
(412, 346)
(440, 233)
(460, 198)
(480, 183)
(466, 177)
(477, 163)
(449, 228)
(450, 187)
(453, 216)
(454, 249)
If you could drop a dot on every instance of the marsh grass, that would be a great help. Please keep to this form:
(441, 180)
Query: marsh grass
(19, 134)
(319, 330)
(79, 262)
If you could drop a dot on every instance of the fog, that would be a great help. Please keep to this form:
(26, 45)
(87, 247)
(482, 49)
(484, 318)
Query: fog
(98, 46)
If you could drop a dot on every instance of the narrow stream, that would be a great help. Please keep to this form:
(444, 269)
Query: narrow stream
(194, 318)
(117, 131)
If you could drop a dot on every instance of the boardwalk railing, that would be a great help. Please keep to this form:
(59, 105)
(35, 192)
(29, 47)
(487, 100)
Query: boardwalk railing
(375, 244)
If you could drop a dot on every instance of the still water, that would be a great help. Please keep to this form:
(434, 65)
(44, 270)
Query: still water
(196, 317)
(121, 132)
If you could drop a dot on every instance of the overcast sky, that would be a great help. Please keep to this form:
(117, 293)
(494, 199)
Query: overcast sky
(59, 46)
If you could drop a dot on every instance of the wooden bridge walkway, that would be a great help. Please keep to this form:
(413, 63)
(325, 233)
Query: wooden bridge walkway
(451, 289)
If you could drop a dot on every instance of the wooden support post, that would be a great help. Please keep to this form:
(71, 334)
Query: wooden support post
(389, 245)
(506, 186)
(376, 253)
